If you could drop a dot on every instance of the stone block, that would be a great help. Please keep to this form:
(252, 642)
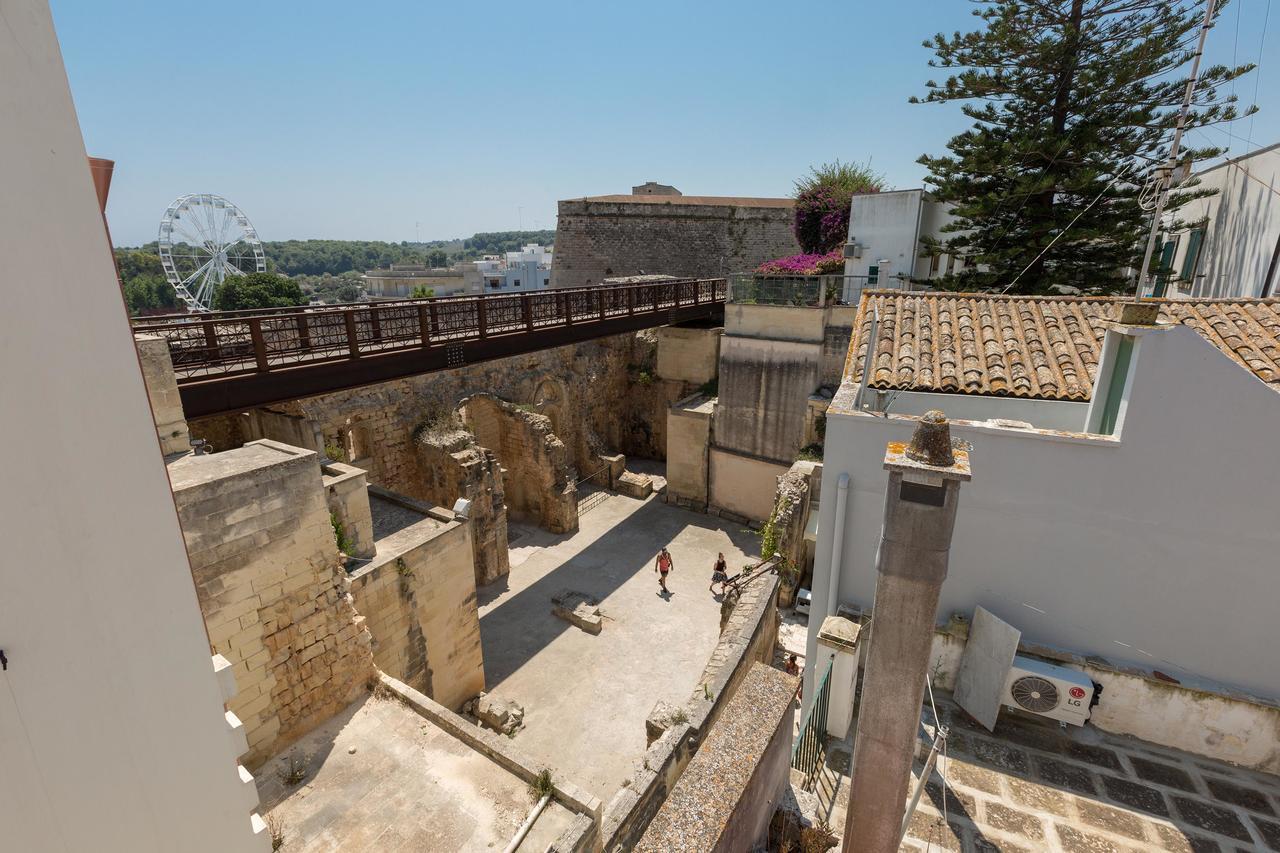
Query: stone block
(633, 485)
(578, 609)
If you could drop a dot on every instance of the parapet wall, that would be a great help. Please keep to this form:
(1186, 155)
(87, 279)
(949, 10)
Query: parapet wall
(605, 239)
(271, 588)
(419, 599)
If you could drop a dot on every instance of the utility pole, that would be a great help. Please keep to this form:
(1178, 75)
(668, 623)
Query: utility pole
(911, 564)
(1165, 175)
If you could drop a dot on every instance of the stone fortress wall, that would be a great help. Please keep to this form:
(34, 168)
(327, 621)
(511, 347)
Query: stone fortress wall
(661, 233)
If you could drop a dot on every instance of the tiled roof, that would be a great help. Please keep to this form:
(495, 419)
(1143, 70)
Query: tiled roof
(1037, 347)
(700, 200)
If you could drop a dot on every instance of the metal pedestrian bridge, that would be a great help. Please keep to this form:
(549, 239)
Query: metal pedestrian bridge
(235, 360)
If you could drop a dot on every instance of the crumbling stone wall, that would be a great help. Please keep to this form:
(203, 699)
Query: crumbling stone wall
(539, 478)
(271, 588)
(622, 236)
(451, 466)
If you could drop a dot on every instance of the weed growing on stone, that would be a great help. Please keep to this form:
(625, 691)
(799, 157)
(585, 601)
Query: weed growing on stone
(278, 830)
(340, 535)
(402, 568)
(706, 691)
(542, 785)
(295, 770)
(680, 716)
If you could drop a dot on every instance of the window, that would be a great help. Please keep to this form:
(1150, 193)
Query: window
(934, 262)
(1165, 268)
(1191, 259)
(516, 283)
(951, 264)
(873, 274)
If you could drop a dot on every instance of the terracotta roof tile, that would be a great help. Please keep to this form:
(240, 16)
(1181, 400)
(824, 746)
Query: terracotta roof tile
(1037, 347)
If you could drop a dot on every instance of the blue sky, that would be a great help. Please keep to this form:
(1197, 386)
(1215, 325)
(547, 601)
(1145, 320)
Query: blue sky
(390, 120)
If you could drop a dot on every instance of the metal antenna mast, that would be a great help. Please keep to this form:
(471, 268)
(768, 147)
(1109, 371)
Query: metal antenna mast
(1165, 175)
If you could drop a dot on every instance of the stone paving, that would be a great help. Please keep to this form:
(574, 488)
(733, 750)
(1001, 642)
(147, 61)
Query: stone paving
(586, 696)
(381, 777)
(1032, 786)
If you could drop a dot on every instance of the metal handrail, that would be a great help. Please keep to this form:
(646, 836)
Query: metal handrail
(204, 346)
(810, 746)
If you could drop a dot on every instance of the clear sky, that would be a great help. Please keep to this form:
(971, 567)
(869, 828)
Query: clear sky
(397, 120)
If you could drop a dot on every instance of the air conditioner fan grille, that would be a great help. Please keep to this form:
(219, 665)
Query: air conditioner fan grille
(1035, 693)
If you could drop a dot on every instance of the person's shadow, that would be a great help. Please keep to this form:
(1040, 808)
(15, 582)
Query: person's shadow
(665, 594)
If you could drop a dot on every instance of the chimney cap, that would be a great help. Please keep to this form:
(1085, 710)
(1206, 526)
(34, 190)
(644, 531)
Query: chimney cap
(931, 451)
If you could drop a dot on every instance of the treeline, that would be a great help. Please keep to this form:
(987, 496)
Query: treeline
(326, 269)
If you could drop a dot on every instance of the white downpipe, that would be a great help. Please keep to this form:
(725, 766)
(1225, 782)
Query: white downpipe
(837, 544)
(528, 824)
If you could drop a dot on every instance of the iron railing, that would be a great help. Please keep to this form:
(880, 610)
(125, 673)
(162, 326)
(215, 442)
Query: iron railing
(809, 751)
(589, 491)
(811, 291)
(227, 343)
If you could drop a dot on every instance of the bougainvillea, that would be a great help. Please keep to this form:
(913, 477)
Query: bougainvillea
(822, 203)
(831, 262)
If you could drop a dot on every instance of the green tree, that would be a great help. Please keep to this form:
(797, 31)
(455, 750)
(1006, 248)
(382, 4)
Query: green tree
(437, 258)
(149, 294)
(1072, 104)
(421, 291)
(257, 290)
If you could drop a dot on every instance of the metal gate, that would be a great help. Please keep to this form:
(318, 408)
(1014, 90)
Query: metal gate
(590, 495)
(810, 748)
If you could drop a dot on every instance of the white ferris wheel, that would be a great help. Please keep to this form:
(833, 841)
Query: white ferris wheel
(203, 239)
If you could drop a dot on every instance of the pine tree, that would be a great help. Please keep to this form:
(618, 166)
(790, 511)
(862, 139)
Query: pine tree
(1072, 101)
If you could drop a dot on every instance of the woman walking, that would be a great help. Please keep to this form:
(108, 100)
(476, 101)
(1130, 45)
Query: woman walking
(719, 575)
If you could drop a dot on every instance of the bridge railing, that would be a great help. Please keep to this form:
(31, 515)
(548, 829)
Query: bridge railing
(227, 343)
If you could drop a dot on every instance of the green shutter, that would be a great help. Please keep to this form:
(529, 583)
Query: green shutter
(1192, 258)
(1115, 387)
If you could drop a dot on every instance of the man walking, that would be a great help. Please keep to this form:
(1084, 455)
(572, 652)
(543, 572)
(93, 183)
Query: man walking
(663, 566)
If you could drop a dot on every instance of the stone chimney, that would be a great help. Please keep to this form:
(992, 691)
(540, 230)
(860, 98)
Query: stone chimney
(911, 564)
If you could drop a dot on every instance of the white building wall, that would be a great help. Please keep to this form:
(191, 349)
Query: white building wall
(112, 727)
(1242, 232)
(889, 230)
(1157, 548)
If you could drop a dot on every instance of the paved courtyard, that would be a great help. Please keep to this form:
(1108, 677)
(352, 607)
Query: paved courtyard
(586, 696)
(1032, 787)
(381, 777)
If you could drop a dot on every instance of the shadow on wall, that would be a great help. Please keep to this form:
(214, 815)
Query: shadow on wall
(598, 570)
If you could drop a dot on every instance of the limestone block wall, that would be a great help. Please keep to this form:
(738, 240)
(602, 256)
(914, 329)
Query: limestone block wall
(272, 591)
(601, 396)
(621, 236)
(418, 596)
(162, 390)
(347, 496)
(728, 793)
(688, 445)
(689, 354)
(764, 390)
(741, 487)
(539, 478)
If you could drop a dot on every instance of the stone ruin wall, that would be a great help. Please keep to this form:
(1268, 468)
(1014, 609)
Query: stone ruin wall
(601, 397)
(597, 239)
(538, 475)
(272, 591)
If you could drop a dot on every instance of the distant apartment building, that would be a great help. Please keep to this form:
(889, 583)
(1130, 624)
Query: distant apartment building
(400, 280)
(1230, 245)
(527, 269)
(656, 230)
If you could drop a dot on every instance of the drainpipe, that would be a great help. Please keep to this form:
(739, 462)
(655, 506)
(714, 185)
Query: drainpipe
(837, 545)
(527, 825)
(833, 585)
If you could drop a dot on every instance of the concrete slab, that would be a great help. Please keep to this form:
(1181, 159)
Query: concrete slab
(407, 786)
(586, 697)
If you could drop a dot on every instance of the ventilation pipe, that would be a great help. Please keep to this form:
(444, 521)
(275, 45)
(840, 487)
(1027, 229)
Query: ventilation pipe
(837, 544)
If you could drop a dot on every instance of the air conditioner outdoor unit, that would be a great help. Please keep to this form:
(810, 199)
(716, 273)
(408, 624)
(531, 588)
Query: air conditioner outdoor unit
(1048, 690)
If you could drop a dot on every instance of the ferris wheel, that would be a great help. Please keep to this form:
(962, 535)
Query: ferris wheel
(203, 239)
